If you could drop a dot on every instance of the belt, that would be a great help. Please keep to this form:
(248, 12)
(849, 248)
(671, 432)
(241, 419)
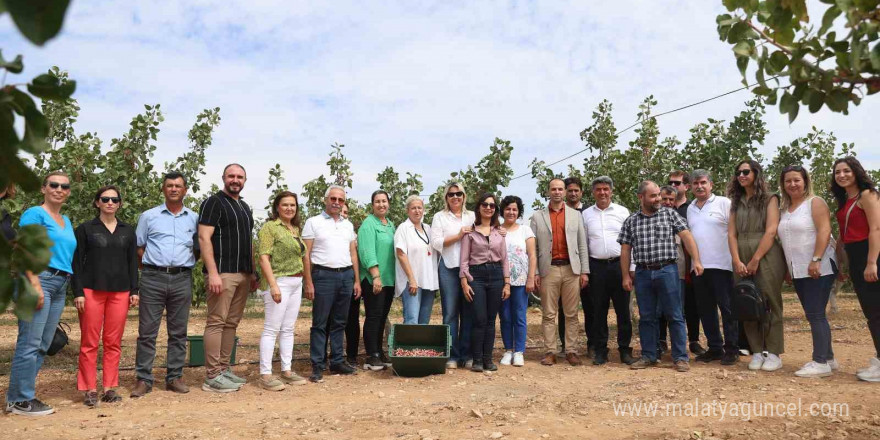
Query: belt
(605, 260)
(168, 270)
(56, 272)
(560, 262)
(655, 266)
(487, 264)
(330, 269)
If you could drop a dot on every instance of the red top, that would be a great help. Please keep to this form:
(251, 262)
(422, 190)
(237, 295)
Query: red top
(559, 250)
(857, 230)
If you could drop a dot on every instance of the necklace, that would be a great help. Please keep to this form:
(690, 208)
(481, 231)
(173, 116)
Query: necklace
(426, 240)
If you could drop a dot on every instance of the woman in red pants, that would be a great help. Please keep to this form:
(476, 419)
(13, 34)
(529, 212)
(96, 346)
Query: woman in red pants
(104, 287)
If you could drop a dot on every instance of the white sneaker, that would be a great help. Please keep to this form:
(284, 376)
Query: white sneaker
(874, 362)
(518, 360)
(833, 364)
(772, 363)
(871, 374)
(508, 356)
(451, 365)
(757, 361)
(814, 369)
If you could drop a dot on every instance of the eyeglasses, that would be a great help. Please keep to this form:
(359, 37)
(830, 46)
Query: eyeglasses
(744, 172)
(488, 205)
(336, 199)
(675, 182)
(455, 194)
(55, 185)
(111, 199)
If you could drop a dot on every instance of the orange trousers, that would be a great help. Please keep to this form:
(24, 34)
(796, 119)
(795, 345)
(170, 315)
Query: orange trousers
(105, 311)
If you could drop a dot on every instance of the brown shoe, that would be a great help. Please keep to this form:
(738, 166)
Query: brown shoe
(177, 386)
(573, 359)
(549, 359)
(140, 389)
(682, 366)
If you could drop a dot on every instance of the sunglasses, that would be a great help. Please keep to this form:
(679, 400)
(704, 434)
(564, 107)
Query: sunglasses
(488, 205)
(55, 185)
(742, 172)
(111, 199)
(455, 194)
(674, 182)
(336, 199)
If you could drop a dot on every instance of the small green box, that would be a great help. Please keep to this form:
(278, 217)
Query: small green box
(409, 336)
(196, 345)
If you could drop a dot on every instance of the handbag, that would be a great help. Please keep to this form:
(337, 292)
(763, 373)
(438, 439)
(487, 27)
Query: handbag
(59, 340)
(748, 302)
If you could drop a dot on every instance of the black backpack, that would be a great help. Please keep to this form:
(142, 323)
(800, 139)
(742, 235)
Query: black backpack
(748, 302)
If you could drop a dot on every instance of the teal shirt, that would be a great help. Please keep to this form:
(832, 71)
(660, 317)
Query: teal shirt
(376, 247)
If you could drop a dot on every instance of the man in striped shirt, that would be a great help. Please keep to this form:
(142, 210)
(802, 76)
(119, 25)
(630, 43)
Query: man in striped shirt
(226, 226)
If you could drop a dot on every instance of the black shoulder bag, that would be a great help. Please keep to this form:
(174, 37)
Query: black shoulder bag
(59, 340)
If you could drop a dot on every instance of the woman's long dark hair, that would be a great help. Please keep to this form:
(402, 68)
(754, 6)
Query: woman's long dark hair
(297, 219)
(863, 181)
(479, 216)
(736, 193)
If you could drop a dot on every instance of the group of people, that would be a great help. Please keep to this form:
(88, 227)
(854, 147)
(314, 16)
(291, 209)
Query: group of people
(681, 257)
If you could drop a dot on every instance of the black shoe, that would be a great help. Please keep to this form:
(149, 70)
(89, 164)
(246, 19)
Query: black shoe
(489, 366)
(477, 367)
(600, 357)
(384, 358)
(91, 399)
(352, 360)
(626, 356)
(591, 352)
(31, 408)
(710, 356)
(662, 348)
(343, 369)
(730, 358)
(317, 376)
(374, 363)
(696, 348)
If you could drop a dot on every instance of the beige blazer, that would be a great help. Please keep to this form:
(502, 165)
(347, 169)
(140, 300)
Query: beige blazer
(575, 237)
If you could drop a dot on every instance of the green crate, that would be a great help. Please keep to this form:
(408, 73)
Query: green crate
(409, 336)
(196, 347)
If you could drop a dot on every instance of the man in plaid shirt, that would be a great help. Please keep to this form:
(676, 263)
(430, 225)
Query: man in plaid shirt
(649, 235)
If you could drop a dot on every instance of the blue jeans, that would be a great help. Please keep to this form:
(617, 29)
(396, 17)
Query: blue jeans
(659, 290)
(457, 317)
(333, 293)
(513, 319)
(34, 337)
(417, 308)
(814, 294)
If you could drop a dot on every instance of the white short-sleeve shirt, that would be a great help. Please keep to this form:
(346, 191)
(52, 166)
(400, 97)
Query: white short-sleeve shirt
(423, 259)
(332, 239)
(709, 228)
(517, 255)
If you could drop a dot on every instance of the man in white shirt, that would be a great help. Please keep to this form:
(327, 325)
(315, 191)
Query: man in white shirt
(602, 222)
(329, 280)
(708, 217)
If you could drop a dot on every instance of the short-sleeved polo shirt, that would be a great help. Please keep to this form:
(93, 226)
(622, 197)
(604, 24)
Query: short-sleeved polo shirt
(332, 239)
(709, 227)
(233, 224)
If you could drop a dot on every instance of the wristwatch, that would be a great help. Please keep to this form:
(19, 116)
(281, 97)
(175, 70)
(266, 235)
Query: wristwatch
(816, 259)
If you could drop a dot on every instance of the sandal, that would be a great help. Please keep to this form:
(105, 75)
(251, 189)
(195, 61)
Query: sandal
(91, 399)
(110, 396)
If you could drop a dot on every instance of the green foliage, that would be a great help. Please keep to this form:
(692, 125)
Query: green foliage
(398, 191)
(822, 67)
(491, 173)
(38, 20)
(192, 163)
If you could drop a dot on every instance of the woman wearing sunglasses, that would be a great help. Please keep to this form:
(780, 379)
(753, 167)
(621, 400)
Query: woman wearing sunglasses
(805, 234)
(105, 284)
(448, 227)
(754, 219)
(35, 334)
(858, 215)
(485, 279)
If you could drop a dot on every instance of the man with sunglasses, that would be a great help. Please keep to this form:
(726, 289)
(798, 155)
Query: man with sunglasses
(563, 268)
(168, 248)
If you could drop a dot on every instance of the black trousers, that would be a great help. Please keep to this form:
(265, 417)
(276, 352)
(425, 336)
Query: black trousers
(487, 285)
(587, 305)
(352, 328)
(714, 290)
(868, 293)
(606, 286)
(376, 308)
(691, 315)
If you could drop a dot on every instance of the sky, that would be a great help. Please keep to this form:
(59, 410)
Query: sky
(423, 86)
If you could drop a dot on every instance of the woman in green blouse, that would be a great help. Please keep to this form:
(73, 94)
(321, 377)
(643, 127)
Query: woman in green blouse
(281, 253)
(376, 255)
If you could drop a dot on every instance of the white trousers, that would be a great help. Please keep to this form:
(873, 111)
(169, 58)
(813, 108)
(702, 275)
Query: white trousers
(280, 318)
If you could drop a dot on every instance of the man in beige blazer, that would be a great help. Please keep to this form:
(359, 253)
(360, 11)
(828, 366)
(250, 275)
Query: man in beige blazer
(563, 265)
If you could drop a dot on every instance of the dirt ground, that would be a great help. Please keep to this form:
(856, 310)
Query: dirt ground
(532, 402)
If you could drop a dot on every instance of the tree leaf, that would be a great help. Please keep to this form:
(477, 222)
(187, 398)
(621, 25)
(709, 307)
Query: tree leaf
(47, 86)
(36, 127)
(19, 172)
(828, 19)
(742, 49)
(14, 66)
(38, 20)
(778, 60)
(793, 112)
(874, 56)
(837, 100)
(817, 98)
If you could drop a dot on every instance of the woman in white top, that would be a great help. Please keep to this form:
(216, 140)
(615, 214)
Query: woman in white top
(416, 271)
(523, 265)
(805, 233)
(447, 229)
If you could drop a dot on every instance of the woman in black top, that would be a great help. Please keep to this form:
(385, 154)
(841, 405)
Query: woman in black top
(104, 286)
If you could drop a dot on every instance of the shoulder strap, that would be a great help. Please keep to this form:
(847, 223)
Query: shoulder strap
(848, 212)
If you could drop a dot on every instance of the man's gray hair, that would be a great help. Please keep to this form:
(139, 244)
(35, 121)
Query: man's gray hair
(643, 185)
(414, 198)
(331, 188)
(700, 173)
(602, 179)
(669, 189)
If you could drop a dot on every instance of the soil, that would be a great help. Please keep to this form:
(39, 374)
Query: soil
(532, 402)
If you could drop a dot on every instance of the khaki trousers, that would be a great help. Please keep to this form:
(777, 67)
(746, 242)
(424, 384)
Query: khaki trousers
(560, 283)
(224, 314)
